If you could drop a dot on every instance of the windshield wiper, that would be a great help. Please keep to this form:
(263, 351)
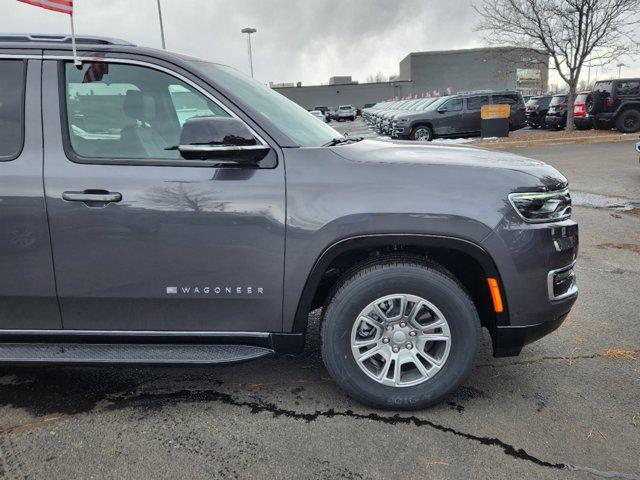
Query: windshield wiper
(342, 140)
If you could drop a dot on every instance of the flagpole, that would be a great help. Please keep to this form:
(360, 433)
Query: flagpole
(161, 26)
(73, 43)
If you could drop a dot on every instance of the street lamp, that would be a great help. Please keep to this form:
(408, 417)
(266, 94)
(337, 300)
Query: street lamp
(249, 31)
(620, 65)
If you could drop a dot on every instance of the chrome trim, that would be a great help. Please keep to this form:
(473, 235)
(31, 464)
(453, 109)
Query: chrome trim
(20, 55)
(134, 333)
(572, 290)
(161, 69)
(221, 148)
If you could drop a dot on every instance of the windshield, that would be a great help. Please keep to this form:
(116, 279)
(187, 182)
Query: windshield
(294, 121)
(437, 103)
(558, 100)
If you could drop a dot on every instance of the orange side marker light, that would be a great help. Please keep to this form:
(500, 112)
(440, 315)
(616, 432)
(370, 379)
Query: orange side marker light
(498, 307)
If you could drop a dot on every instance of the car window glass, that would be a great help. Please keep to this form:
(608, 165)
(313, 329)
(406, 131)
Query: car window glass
(474, 103)
(454, 105)
(192, 104)
(504, 100)
(628, 88)
(558, 100)
(12, 84)
(127, 111)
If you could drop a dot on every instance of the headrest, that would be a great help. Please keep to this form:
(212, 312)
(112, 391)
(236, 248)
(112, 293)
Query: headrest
(139, 106)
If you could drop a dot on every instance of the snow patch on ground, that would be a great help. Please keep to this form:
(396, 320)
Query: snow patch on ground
(453, 141)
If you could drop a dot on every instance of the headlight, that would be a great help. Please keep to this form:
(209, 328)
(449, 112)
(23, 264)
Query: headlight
(542, 207)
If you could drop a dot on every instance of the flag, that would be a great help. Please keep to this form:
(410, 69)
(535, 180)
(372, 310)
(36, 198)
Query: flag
(62, 6)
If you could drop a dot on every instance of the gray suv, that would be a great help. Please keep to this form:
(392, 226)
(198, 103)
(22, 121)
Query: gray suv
(148, 219)
(457, 116)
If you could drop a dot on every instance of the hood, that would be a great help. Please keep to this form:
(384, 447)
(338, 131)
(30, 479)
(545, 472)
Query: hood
(373, 151)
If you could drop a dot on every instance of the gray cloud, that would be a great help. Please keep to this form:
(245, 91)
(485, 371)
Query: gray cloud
(297, 40)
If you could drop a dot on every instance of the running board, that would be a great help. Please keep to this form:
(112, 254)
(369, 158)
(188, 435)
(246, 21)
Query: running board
(129, 353)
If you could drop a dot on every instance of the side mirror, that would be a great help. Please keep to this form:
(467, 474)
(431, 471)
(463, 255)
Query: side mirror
(225, 139)
(442, 109)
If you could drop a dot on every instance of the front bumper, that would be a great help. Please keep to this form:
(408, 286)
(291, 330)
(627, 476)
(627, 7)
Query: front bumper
(536, 269)
(400, 131)
(508, 341)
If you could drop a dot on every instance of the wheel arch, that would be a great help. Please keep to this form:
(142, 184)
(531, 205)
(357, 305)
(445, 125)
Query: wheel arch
(346, 254)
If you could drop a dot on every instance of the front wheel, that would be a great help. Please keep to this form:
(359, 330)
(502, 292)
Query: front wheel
(400, 335)
(422, 133)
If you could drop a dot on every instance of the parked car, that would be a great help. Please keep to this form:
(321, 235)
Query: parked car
(616, 103)
(408, 249)
(557, 114)
(638, 148)
(537, 108)
(346, 112)
(319, 115)
(457, 116)
(581, 119)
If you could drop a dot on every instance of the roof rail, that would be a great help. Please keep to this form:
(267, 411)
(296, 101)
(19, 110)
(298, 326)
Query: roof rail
(53, 38)
(475, 92)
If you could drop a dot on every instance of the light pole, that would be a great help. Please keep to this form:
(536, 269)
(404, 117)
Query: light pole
(161, 26)
(620, 65)
(248, 31)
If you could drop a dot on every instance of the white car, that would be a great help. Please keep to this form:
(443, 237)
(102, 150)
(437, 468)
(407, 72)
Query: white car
(346, 112)
(319, 115)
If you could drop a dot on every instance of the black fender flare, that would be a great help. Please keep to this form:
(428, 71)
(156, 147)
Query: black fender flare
(472, 249)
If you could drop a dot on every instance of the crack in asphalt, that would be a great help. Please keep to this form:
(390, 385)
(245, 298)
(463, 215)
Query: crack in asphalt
(257, 407)
(569, 358)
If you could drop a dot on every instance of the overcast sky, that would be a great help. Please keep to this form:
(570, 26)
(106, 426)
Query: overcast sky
(297, 40)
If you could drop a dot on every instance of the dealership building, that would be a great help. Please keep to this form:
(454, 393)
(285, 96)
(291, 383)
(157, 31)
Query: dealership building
(435, 73)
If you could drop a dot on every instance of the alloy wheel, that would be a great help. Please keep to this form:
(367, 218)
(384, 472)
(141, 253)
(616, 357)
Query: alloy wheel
(400, 340)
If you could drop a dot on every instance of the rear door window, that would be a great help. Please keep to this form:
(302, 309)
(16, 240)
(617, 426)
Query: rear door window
(631, 87)
(12, 86)
(475, 103)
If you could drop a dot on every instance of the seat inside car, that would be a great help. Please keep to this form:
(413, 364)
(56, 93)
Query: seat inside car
(140, 139)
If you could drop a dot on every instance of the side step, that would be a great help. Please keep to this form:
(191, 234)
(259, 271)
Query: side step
(129, 353)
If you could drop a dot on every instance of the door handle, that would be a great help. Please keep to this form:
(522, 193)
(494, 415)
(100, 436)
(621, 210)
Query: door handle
(92, 196)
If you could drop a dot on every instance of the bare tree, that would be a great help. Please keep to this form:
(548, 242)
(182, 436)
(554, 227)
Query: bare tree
(377, 78)
(569, 31)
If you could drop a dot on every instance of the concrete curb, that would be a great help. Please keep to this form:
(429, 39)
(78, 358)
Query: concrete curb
(550, 142)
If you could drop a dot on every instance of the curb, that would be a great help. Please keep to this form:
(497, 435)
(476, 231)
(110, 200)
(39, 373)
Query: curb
(550, 142)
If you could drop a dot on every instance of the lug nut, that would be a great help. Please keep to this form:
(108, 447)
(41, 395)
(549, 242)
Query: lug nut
(385, 340)
(403, 324)
(409, 345)
(412, 333)
(396, 349)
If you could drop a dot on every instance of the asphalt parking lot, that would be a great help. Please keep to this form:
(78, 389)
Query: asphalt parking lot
(567, 408)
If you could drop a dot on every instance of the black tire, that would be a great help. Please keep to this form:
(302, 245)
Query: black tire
(388, 278)
(428, 132)
(628, 121)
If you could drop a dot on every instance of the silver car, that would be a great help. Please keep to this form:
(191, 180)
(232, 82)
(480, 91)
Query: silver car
(346, 112)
